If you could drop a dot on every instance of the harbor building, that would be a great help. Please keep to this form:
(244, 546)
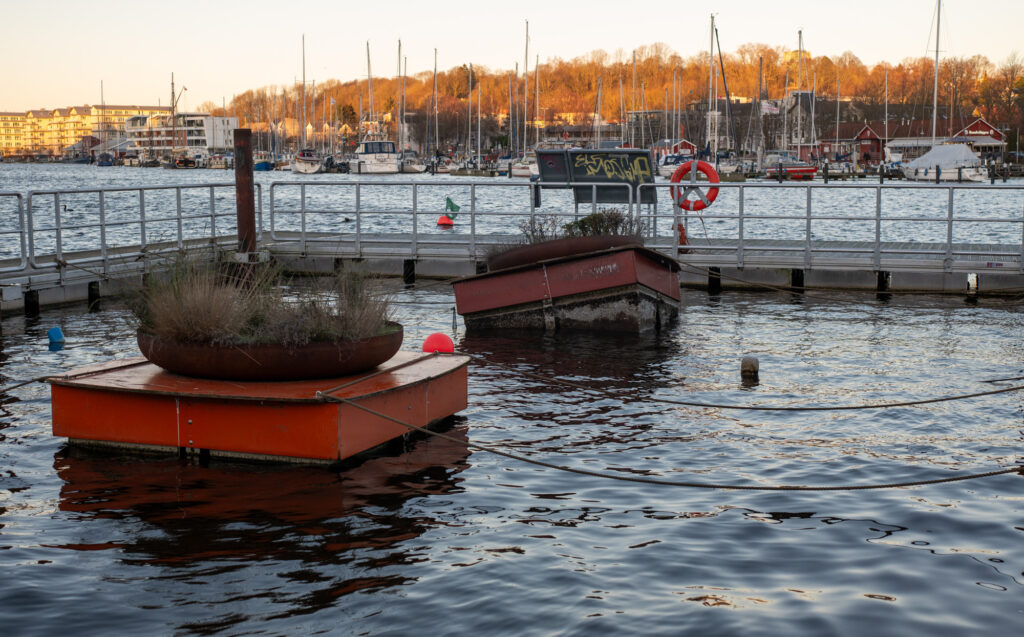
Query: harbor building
(50, 131)
(12, 132)
(191, 134)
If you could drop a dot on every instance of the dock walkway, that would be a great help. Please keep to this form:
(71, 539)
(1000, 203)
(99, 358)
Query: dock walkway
(51, 252)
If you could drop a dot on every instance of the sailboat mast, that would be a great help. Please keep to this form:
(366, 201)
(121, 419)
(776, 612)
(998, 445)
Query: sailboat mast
(302, 133)
(398, 107)
(814, 99)
(526, 86)
(405, 73)
(886, 140)
(839, 87)
(711, 86)
(369, 84)
(479, 104)
(437, 137)
(632, 134)
(536, 100)
(799, 88)
(622, 108)
(935, 88)
(510, 123)
(174, 126)
(469, 128)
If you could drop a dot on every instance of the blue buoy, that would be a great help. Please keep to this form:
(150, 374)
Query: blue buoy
(56, 338)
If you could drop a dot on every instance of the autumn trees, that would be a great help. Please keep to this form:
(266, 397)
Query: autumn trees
(968, 86)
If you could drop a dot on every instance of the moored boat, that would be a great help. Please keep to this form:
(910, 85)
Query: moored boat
(946, 162)
(307, 162)
(375, 157)
(594, 283)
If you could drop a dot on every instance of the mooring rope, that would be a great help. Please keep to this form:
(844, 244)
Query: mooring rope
(674, 483)
(64, 264)
(37, 379)
(688, 403)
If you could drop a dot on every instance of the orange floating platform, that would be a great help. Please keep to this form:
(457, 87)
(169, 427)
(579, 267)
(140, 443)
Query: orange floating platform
(133, 403)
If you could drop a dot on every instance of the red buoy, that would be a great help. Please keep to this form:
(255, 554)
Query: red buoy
(438, 342)
(445, 220)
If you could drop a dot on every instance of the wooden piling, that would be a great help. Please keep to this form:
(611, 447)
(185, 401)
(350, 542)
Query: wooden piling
(244, 191)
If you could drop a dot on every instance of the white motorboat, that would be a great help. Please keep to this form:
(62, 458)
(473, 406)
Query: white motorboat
(946, 162)
(375, 158)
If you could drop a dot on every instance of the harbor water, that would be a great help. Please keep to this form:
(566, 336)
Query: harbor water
(441, 537)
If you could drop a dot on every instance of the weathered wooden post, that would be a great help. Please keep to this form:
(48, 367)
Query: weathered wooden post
(244, 195)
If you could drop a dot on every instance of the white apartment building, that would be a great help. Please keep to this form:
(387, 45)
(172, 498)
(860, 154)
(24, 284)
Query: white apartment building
(191, 134)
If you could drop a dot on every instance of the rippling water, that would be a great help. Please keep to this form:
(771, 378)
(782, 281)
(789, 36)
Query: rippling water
(459, 541)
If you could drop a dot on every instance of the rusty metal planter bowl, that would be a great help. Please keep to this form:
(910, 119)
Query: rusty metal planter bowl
(272, 362)
(536, 252)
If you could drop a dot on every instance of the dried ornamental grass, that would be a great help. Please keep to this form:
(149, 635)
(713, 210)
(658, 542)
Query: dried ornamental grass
(199, 304)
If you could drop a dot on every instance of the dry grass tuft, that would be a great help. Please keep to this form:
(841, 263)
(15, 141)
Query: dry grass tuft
(200, 304)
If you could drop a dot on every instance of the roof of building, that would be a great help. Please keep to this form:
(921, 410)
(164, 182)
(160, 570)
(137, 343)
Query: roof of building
(898, 129)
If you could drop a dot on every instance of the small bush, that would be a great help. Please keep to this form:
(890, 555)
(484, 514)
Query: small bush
(605, 222)
(200, 304)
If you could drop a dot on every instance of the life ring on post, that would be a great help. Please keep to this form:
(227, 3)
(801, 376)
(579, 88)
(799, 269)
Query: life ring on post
(683, 171)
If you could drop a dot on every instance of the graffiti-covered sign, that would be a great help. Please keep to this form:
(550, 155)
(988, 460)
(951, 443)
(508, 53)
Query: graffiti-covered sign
(601, 168)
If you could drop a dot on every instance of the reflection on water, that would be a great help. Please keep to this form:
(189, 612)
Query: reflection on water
(334, 533)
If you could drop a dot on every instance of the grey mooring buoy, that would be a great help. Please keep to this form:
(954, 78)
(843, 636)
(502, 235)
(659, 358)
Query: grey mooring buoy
(749, 367)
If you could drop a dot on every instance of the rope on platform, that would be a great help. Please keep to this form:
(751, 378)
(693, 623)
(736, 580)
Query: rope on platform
(674, 483)
(687, 403)
(64, 264)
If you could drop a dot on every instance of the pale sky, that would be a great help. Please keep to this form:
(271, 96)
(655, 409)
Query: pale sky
(56, 53)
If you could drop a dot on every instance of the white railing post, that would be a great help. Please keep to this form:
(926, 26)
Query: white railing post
(948, 263)
(807, 232)
(181, 241)
(878, 228)
(142, 219)
(359, 220)
(302, 216)
(103, 230)
(739, 227)
(415, 228)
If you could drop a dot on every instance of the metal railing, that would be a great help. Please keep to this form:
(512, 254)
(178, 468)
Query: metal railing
(324, 224)
(109, 226)
(891, 236)
(807, 225)
(19, 231)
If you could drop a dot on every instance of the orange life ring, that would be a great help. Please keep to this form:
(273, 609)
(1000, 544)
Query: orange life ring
(682, 171)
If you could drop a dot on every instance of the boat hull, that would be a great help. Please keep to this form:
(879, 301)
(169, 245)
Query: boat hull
(625, 289)
(306, 166)
(131, 403)
(374, 166)
(972, 174)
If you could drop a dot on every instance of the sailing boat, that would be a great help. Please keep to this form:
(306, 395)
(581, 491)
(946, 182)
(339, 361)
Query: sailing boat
(947, 161)
(307, 161)
(374, 155)
(105, 158)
